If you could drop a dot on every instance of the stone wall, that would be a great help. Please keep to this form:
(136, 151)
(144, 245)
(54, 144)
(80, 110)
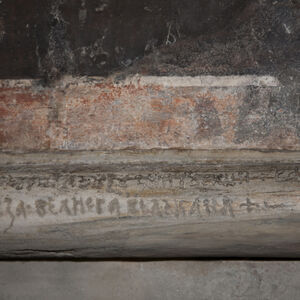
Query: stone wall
(170, 280)
(149, 129)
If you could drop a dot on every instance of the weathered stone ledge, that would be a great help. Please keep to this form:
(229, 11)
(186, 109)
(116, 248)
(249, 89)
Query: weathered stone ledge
(150, 204)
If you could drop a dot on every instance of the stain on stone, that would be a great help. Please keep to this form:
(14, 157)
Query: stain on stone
(208, 121)
(269, 116)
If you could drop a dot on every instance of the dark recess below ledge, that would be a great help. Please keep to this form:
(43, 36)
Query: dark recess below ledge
(47, 39)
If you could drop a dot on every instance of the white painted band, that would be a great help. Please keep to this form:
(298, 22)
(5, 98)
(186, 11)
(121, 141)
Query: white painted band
(204, 81)
(164, 81)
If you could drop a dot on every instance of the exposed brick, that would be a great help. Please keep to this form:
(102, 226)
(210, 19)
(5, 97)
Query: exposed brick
(23, 119)
(101, 115)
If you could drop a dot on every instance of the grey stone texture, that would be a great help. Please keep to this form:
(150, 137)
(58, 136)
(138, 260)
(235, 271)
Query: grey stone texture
(224, 280)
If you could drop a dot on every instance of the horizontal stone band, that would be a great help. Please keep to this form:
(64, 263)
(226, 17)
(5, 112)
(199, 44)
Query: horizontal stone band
(91, 202)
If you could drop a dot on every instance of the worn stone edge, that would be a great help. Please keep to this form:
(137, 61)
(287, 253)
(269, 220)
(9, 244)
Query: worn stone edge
(147, 157)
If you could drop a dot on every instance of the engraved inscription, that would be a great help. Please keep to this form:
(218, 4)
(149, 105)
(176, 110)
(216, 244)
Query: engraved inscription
(162, 208)
(65, 197)
(121, 183)
(115, 182)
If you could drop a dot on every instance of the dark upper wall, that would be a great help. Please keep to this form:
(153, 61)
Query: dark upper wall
(22, 27)
(48, 38)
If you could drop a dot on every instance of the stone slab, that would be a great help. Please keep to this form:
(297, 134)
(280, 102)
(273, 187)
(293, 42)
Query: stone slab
(168, 280)
(167, 203)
